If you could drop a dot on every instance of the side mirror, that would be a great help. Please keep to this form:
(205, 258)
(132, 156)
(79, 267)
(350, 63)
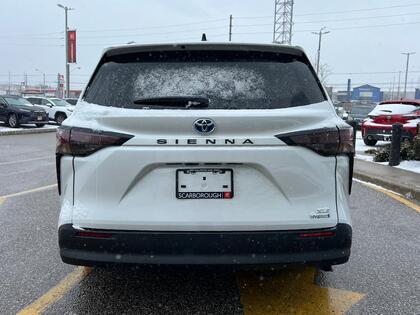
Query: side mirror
(3, 105)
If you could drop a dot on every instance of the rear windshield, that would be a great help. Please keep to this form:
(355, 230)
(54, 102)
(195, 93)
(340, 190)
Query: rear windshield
(230, 80)
(59, 102)
(18, 101)
(397, 109)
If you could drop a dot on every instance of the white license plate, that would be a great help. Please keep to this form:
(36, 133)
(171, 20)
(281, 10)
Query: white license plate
(204, 184)
(39, 118)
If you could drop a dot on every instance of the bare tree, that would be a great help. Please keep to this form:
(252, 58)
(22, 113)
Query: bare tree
(324, 72)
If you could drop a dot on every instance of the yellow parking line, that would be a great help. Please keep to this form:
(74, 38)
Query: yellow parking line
(291, 291)
(393, 195)
(57, 292)
(3, 198)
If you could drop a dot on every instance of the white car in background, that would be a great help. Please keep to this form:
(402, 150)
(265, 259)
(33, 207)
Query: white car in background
(206, 153)
(57, 108)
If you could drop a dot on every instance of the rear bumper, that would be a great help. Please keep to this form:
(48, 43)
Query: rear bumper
(384, 133)
(31, 120)
(207, 248)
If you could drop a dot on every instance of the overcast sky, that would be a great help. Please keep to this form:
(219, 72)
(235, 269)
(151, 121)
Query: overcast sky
(31, 33)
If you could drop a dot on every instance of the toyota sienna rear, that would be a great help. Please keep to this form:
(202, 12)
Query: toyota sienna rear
(204, 153)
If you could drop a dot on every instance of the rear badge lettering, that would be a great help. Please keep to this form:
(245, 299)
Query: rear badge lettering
(322, 213)
(204, 141)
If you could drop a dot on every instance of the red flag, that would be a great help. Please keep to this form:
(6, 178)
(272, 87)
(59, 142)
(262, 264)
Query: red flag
(71, 35)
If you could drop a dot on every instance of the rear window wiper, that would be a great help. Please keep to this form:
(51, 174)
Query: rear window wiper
(174, 101)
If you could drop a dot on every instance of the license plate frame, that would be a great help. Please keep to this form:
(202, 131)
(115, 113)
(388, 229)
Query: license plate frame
(183, 193)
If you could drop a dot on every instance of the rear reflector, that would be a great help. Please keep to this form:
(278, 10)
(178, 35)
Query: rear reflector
(227, 195)
(317, 234)
(93, 234)
(327, 141)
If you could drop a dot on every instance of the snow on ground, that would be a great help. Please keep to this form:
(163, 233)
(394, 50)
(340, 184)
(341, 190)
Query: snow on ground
(4, 127)
(361, 147)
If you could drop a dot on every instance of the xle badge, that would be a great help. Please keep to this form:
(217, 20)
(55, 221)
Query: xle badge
(322, 213)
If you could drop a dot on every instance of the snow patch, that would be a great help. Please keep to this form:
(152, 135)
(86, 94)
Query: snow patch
(412, 166)
(230, 82)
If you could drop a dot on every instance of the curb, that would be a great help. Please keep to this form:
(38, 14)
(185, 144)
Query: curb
(408, 191)
(26, 131)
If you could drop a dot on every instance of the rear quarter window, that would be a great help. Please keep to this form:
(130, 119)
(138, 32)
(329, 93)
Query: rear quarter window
(230, 80)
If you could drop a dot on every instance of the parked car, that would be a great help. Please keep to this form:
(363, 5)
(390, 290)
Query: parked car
(15, 110)
(378, 125)
(57, 108)
(358, 114)
(71, 101)
(204, 153)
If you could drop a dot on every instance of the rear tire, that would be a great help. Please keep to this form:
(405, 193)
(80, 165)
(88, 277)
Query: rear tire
(40, 125)
(13, 121)
(60, 118)
(370, 142)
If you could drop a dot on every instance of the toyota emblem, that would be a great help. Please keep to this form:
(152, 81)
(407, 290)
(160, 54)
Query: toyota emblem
(204, 125)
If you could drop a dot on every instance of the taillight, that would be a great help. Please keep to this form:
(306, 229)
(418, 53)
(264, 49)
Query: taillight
(82, 141)
(327, 142)
(412, 116)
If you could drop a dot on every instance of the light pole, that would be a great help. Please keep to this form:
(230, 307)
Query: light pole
(77, 68)
(406, 71)
(43, 75)
(66, 9)
(320, 33)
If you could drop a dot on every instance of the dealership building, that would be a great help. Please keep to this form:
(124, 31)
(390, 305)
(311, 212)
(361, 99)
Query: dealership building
(367, 93)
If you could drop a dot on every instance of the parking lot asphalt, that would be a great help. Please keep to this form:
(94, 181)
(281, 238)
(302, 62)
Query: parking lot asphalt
(382, 276)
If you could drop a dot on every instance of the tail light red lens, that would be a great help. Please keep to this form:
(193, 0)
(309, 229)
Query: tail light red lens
(327, 142)
(82, 142)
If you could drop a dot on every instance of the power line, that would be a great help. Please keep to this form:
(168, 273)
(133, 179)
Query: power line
(374, 72)
(31, 35)
(334, 29)
(335, 12)
(335, 20)
(154, 34)
(413, 83)
(151, 27)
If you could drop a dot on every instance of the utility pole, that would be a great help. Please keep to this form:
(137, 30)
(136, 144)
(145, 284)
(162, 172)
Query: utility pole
(43, 75)
(66, 9)
(392, 89)
(283, 21)
(230, 28)
(320, 33)
(10, 83)
(399, 85)
(406, 71)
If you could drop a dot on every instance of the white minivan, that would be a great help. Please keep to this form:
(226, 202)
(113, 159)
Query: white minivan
(204, 153)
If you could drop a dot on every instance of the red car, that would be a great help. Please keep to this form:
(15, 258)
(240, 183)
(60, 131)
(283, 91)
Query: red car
(378, 125)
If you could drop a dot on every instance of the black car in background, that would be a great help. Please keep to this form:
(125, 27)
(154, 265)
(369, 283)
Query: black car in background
(15, 110)
(358, 113)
